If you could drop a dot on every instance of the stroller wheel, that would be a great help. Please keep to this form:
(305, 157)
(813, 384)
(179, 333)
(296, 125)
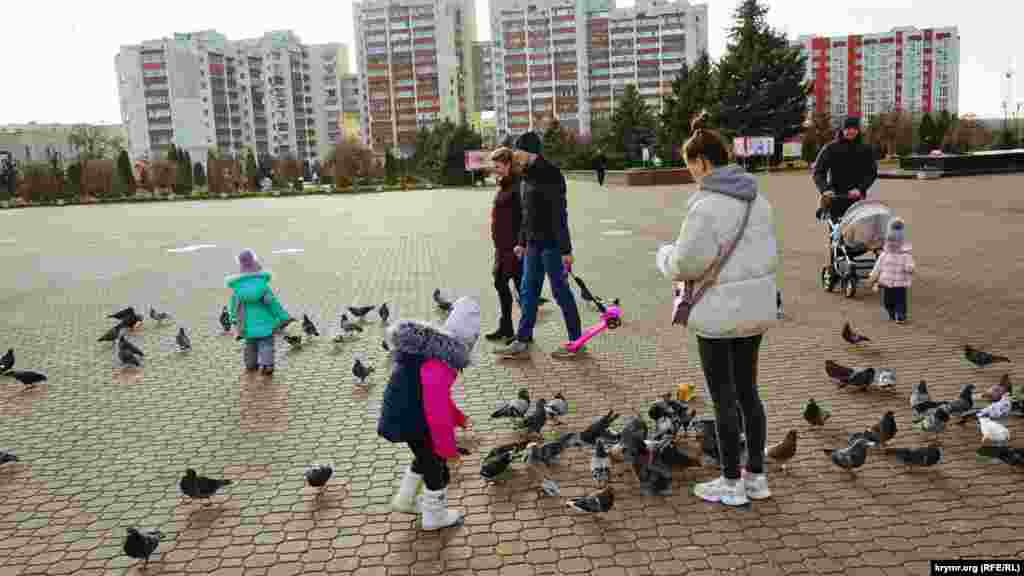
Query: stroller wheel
(849, 286)
(828, 278)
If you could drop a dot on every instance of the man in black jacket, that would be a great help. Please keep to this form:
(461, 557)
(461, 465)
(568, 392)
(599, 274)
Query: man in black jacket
(845, 169)
(544, 246)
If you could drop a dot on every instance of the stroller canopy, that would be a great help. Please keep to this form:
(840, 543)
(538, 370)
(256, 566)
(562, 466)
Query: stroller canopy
(866, 222)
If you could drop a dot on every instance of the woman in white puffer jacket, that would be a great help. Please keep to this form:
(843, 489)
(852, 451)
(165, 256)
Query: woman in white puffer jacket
(737, 307)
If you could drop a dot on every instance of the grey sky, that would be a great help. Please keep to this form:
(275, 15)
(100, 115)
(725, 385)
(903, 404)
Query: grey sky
(58, 56)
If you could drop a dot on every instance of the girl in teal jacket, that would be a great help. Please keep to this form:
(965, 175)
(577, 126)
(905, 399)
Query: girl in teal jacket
(256, 312)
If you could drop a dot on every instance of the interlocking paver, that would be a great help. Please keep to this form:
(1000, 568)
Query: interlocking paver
(102, 450)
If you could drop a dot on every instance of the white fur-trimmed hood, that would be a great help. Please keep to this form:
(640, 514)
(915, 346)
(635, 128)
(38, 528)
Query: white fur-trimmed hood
(425, 339)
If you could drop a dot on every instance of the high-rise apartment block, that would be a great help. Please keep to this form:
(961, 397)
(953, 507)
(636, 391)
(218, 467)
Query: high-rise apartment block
(573, 58)
(196, 91)
(483, 67)
(415, 69)
(906, 69)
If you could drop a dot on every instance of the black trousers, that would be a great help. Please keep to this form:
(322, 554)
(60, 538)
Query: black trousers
(895, 302)
(432, 467)
(600, 176)
(501, 280)
(730, 367)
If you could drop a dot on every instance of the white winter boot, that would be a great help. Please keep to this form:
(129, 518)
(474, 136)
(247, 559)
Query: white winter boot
(405, 501)
(436, 514)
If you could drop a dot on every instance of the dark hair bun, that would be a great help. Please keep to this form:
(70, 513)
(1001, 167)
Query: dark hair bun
(699, 121)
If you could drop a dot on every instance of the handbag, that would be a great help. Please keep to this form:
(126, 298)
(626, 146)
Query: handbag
(686, 296)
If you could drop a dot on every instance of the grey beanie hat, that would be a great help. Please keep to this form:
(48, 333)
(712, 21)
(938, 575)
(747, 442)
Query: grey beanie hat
(896, 230)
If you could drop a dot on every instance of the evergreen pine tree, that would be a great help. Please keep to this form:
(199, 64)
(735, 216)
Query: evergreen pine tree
(693, 90)
(632, 123)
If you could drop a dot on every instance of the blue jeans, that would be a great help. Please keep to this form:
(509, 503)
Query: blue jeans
(541, 258)
(259, 352)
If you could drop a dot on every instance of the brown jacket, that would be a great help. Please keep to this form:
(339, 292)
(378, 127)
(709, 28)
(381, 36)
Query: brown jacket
(506, 218)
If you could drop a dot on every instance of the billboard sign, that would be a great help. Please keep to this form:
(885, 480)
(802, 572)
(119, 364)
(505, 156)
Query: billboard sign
(792, 148)
(478, 160)
(744, 146)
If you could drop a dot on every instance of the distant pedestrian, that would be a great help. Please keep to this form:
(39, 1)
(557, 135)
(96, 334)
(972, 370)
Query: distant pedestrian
(600, 165)
(255, 312)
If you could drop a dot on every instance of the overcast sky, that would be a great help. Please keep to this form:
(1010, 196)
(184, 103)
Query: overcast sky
(58, 56)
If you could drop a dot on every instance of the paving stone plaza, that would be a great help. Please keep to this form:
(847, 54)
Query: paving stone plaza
(102, 449)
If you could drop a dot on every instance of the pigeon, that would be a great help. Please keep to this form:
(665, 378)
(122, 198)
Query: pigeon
(27, 377)
(783, 451)
(928, 456)
(362, 371)
(885, 378)
(114, 333)
(158, 316)
(598, 429)
(516, 408)
(557, 407)
(886, 428)
(125, 354)
(534, 420)
(195, 486)
(778, 306)
(935, 421)
(596, 503)
(496, 463)
(442, 304)
(661, 408)
(384, 313)
(547, 453)
(182, 339)
(550, 487)
(293, 340)
(360, 311)
(7, 456)
(852, 337)
(997, 410)
(600, 464)
(869, 435)
(1006, 454)
(308, 327)
(852, 456)
(837, 371)
(384, 346)
(921, 402)
(815, 414)
(128, 315)
(140, 544)
(123, 342)
(994, 394)
(225, 320)
(860, 378)
(993, 432)
(348, 326)
(964, 402)
(317, 475)
(7, 362)
(980, 358)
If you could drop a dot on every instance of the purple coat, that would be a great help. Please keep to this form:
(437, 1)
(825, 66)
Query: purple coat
(506, 218)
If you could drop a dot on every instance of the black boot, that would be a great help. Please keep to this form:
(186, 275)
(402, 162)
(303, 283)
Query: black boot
(504, 332)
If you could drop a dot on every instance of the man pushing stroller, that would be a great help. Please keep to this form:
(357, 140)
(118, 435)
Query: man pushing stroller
(844, 170)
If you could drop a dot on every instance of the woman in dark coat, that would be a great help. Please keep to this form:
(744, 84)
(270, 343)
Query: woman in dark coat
(506, 217)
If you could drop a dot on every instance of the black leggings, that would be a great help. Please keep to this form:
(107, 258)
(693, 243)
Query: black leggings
(501, 280)
(730, 367)
(895, 302)
(432, 467)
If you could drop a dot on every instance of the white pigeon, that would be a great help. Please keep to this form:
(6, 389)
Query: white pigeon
(993, 432)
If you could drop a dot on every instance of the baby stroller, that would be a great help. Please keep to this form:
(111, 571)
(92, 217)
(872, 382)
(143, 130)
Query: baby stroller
(854, 245)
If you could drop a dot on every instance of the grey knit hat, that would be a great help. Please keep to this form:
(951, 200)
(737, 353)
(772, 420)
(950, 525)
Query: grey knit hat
(896, 231)
(248, 263)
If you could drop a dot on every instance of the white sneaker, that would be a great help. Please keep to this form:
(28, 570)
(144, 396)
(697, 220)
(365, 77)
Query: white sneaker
(728, 492)
(757, 486)
(406, 501)
(436, 514)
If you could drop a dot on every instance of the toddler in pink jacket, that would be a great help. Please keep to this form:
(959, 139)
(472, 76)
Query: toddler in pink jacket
(893, 271)
(418, 408)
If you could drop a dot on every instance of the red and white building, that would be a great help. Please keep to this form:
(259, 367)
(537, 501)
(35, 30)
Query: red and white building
(906, 69)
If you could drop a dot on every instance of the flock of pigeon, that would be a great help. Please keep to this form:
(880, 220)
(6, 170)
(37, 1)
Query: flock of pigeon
(927, 415)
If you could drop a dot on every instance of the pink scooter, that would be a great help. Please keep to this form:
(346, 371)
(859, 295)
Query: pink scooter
(611, 318)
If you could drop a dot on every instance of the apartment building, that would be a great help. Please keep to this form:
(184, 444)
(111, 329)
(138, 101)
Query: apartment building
(200, 90)
(906, 69)
(573, 58)
(483, 67)
(352, 105)
(414, 59)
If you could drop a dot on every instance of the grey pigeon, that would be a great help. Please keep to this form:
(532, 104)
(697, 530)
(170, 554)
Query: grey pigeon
(308, 327)
(361, 311)
(921, 402)
(550, 487)
(317, 475)
(598, 429)
(158, 316)
(140, 544)
(928, 456)
(347, 326)
(535, 420)
(362, 371)
(600, 464)
(7, 362)
(862, 378)
(7, 456)
(557, 407)
(1006, 454)
(114, 333)
(964, 402)
(596, 503)
(547, 453)
(123, 342)
(125, 314)
(27, 377)
(443, 304)
(293, 340)
(195, 486)
(182, 339)
(935, 421)
(384, 346)
(225, 320)
(515, 408)
(981, 358)
(384, 313)
(851, 457)
(126, 355)
(496, 463)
